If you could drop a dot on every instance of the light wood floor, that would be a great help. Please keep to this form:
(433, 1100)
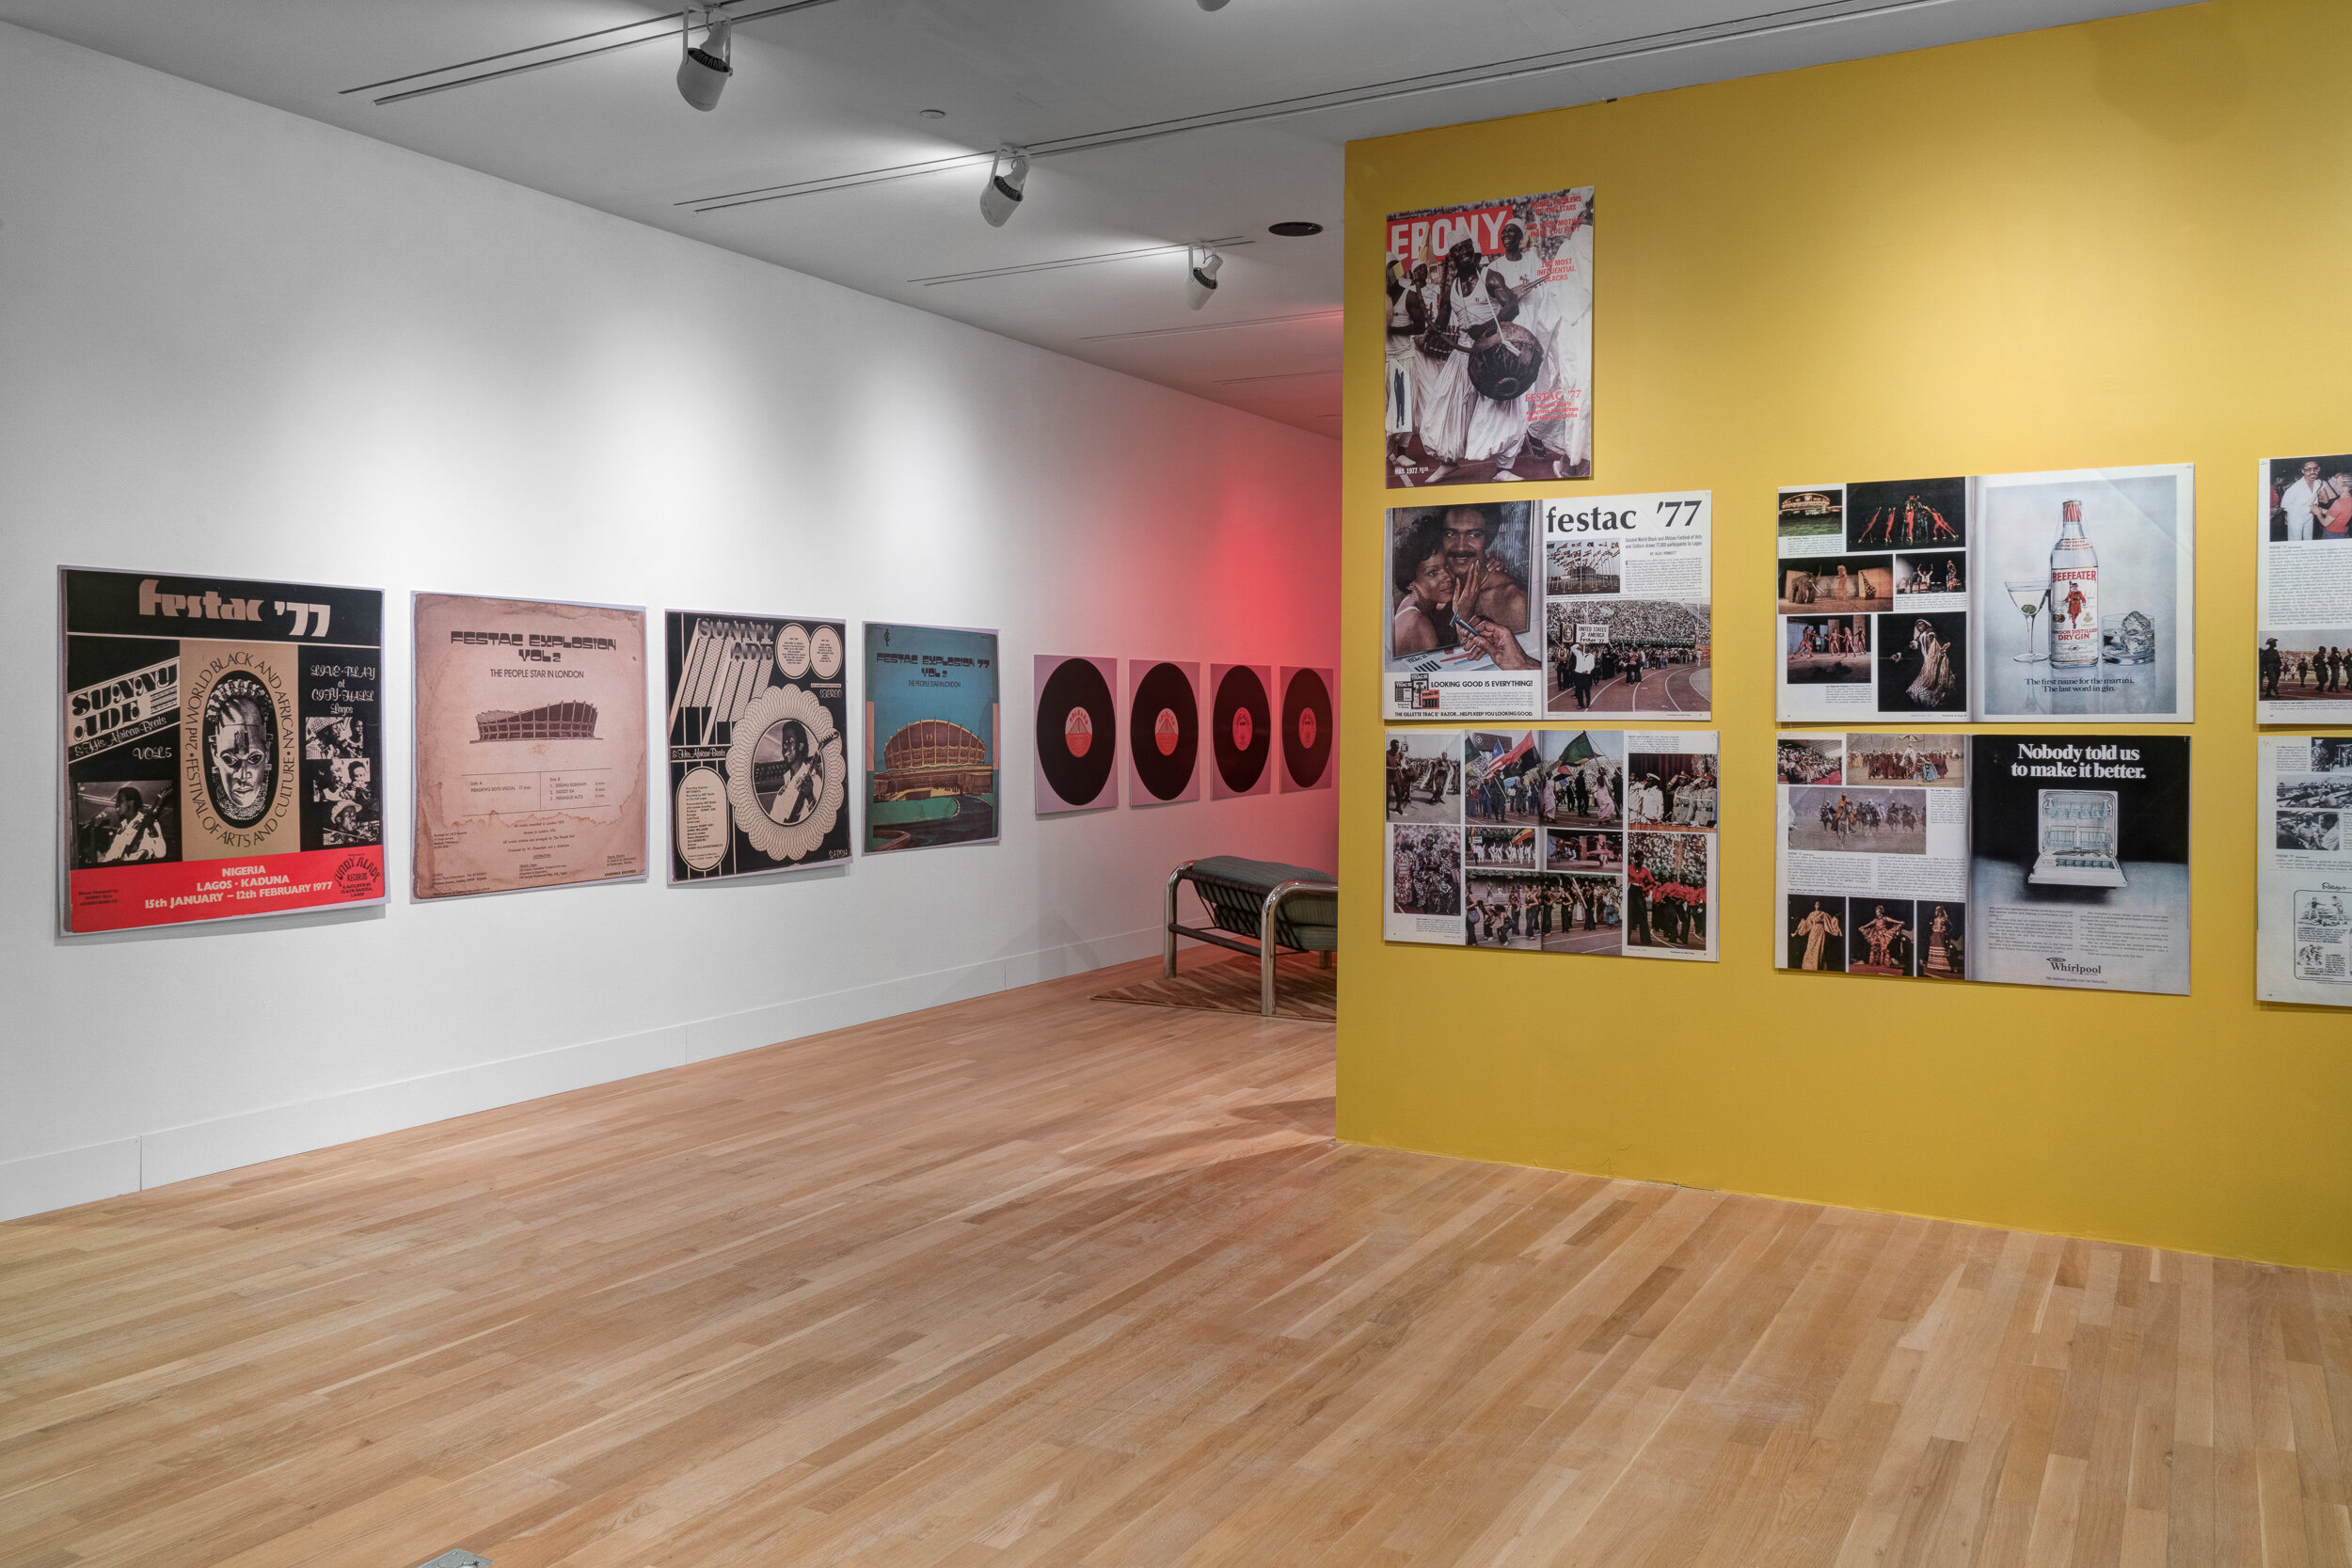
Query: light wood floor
(1035, 1280)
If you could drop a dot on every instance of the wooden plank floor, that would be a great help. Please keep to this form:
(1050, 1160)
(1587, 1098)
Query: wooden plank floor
(1034, 1280)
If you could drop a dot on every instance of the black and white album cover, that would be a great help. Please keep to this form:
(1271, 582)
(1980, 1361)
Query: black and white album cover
(759, 739)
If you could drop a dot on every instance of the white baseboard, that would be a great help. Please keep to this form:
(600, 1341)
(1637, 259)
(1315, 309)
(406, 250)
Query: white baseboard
(68, 1176)
(42, 1183)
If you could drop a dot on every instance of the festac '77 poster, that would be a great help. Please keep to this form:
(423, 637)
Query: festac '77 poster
(222, 749)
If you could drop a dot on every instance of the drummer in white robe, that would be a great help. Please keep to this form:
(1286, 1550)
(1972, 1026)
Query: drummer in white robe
(1495, 428)
(1446, 393)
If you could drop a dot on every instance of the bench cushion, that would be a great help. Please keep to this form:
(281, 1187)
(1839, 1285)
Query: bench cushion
(1234, 889)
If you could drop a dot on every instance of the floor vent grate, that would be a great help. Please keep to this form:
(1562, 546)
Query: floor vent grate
(457, 1557)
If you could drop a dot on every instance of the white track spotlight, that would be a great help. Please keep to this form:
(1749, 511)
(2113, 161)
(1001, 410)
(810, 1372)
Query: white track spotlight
(1200, 265)
(703, 73)
(1001, 196)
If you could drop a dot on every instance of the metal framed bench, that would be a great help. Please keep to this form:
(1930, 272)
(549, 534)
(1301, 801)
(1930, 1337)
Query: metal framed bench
(1279, 908)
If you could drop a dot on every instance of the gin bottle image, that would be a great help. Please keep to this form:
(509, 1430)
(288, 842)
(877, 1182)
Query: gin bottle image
(2074, 593)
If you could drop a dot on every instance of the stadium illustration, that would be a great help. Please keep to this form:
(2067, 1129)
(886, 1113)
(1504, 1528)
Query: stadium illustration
(932, 757)
(555, 722)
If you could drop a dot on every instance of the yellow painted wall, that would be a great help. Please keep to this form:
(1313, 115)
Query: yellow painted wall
(2126, 241)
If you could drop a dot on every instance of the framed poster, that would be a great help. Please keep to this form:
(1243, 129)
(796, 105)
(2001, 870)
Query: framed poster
(1556, 607)
(1871, 849)
(2028, 859)
(2067, 594)
(1241, 730)
(2303, 932)
(223, 749)
(1163, 733)
(1489, 359)
(931, 736)
(530, 744)
(1078, 734)
(1461, 624)
(1309, 725)
(2303, 660)
(2078, 861)
(1554, 840)
(759, 743)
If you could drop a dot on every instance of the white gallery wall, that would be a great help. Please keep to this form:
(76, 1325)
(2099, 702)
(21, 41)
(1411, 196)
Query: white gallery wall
(237, 341)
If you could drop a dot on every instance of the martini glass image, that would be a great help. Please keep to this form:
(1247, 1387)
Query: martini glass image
(2028, 597)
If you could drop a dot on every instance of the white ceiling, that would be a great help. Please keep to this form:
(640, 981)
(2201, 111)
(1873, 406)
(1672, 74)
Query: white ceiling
(837, 89)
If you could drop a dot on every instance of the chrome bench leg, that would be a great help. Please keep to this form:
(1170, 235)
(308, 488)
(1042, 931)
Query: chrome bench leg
(1168, 955)
(1267, 953)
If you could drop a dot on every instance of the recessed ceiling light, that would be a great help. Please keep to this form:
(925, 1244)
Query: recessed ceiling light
(1296, 228)
(933, 114)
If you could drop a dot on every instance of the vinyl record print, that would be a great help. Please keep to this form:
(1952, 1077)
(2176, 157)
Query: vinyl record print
(1241, 730)
(1078, 734)
(1308, 725)
(1163, 732)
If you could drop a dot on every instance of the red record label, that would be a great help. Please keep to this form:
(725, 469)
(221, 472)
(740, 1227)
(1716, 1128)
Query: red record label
(1077, 731)
(1164, 730)
(1307, 727)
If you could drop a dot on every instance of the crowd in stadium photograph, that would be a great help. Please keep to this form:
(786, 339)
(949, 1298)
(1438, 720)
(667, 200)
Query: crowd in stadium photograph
(1654, 659)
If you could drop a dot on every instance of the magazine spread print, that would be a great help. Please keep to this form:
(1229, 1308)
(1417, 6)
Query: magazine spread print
(1550, 608)
(2044, 860)
(1993, 596)
(1554, 840)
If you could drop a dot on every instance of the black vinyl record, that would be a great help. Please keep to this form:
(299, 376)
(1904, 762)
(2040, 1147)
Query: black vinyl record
(1076, 758)
(1306, 728)
(1164, 756)
(1241, 725)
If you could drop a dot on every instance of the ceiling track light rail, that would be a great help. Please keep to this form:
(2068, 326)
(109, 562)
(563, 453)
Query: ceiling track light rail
(1794, 18)
(1213, 327)
(1059, 263)
(653, 29)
